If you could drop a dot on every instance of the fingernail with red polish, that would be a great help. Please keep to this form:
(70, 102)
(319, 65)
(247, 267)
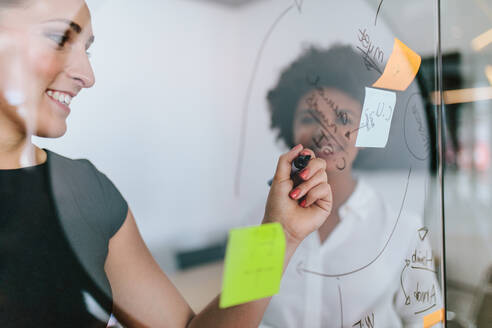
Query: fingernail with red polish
(303, 203)
(295, 193)
(305, 152)
(304, 174)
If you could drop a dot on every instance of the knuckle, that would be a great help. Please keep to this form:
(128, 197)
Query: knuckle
(302, 189)
(313, 165)
(319, 177)
(309, 197)
(310, 152)
(318, 162)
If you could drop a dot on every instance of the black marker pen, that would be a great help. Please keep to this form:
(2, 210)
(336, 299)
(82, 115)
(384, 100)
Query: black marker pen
(298, 165)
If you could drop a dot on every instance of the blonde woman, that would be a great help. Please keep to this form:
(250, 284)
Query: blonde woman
(66, 234)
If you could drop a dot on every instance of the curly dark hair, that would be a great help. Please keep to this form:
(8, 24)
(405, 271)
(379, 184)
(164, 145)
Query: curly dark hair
(337, 67)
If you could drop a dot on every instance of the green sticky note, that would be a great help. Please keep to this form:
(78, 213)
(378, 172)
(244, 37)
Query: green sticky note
(253, 264)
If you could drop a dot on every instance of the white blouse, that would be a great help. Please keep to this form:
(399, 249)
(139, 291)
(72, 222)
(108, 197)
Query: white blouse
(374, 270)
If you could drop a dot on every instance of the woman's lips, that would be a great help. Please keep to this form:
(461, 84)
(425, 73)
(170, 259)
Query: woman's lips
(327, 150)
(61, 99)
(62, 107)
(60, 96)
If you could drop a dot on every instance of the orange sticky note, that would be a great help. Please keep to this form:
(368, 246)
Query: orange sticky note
(433, 318)
(401, 68)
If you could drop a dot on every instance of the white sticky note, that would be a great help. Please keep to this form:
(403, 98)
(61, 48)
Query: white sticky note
(375, 122)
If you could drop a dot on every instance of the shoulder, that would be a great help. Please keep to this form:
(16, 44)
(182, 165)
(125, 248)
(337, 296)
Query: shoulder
(386, 208)
(95, 195)
(365, 200)
(74, 165)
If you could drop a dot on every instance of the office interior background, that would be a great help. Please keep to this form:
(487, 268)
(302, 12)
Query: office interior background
(178, 116)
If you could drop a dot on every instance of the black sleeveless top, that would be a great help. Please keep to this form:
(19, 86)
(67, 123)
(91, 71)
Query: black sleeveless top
(45, 277)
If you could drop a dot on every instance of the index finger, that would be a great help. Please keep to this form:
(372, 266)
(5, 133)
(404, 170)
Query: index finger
(284, 164)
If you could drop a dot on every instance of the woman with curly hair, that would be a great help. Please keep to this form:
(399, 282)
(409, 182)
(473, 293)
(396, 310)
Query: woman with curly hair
(349, 272)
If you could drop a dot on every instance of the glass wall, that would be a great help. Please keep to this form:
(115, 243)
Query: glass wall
(189, 105)
(466, 31)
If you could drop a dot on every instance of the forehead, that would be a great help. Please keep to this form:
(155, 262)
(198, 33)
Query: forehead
(42, 11)
(330, 96)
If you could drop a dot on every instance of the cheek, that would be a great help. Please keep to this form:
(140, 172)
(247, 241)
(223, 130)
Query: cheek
(45, 64)
(303, 134)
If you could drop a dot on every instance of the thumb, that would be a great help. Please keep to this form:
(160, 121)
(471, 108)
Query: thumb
(284, 165)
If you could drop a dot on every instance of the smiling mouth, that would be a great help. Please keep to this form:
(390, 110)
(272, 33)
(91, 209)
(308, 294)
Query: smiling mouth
(61, 97)
(327, 150)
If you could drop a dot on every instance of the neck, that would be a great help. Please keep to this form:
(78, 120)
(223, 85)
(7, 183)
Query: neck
(342, 185)
(16, 147)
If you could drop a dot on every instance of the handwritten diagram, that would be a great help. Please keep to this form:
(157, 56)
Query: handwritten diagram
(377, 113)
(373, 56)
(301, 269)
(373, 131)
(418, 131)
(422, 297)
(366, 322)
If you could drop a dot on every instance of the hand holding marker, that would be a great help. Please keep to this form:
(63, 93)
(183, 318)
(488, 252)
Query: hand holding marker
(298, 203)
(298, 164)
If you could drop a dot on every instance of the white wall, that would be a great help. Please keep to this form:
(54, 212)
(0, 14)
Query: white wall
(160, 120)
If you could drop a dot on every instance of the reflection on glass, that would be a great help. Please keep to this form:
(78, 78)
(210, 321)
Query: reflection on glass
(179, 91)
(366, 240)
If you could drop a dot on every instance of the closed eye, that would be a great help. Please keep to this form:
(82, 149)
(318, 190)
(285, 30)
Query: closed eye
(59, 39)
(307, 120)
(344, 120)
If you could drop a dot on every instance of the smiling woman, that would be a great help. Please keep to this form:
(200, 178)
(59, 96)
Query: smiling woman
(55, 65)
(70, 250)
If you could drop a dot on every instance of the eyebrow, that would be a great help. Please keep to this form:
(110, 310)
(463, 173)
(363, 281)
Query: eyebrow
(348, 111)
(344, 110)
(74, 26)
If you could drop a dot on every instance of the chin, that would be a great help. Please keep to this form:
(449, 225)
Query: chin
(52, 132)
(336, 164)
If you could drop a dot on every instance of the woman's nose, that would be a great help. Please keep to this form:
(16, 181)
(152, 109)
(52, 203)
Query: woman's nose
(80, 69)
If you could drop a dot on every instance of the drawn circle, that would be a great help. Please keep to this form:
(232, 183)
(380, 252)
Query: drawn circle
(420, 155)
(378, 255)
(243, 129)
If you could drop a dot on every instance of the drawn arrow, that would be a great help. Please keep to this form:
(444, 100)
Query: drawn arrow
(407, 297)
(423, 233)
(350, 132)
(302, 270)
